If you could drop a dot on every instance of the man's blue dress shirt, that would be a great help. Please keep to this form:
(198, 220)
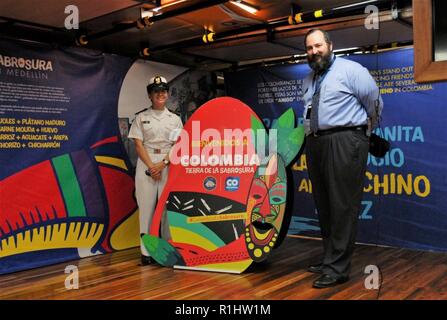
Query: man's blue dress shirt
(348, 95)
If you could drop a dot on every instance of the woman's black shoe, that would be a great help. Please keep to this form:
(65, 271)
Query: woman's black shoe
(146, 260)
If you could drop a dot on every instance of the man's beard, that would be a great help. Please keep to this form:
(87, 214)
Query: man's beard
(321, 65)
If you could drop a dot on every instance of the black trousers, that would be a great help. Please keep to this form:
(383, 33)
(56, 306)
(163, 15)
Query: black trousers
(337, 165)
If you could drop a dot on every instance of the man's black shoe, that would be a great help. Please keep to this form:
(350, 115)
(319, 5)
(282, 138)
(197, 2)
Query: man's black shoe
(316, 268)
(146, 260)
(326, 281)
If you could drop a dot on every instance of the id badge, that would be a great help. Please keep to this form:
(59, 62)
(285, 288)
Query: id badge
(308, 112)
(306, 121)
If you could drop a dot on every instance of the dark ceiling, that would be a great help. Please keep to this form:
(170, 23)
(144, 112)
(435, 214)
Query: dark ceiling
(174, 33)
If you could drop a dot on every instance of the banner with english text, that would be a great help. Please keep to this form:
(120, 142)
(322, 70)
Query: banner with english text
(404, 203)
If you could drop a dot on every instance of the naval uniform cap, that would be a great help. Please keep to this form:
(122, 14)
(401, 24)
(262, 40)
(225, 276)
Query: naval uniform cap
(157, 83)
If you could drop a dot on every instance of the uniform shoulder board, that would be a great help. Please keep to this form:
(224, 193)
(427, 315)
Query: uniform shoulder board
(137, 113)
(173, 113)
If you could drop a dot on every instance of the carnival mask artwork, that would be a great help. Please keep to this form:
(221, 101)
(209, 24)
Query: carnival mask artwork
(266, 206)
(266, 203)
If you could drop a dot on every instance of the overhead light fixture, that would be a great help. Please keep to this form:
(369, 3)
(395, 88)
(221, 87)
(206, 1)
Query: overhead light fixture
(341, 52)
(245, 6)
(145, 13)
(355, 4)
(150, 12)
(347, 49)
(208, 36)
(145, 52)
(82, 40)
(168, 5)
(157, 10)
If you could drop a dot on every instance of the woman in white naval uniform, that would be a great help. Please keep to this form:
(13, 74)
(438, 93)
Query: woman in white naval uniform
(152, 131)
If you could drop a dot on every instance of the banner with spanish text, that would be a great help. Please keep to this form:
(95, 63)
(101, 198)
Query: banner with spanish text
(65, 187)
(404, 203)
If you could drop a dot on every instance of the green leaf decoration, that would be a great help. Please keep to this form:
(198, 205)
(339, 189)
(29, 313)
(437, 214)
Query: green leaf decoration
(256, 125)
(290, 139)
(162, 251)
(287, 119)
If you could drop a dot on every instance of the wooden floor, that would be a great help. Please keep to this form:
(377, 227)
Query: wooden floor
(406, 275)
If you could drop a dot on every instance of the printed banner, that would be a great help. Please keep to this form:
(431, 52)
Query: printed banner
(65, 188)
(404, 203)
(224, 203)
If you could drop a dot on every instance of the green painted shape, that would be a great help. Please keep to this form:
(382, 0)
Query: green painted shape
(255, 126)
(179, 220)
(282, 170)
(162, 251)
(286, 120)
(70, 187)
(290, 139)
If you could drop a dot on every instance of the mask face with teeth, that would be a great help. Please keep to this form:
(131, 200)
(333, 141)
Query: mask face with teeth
(266, 205)
(266, 201)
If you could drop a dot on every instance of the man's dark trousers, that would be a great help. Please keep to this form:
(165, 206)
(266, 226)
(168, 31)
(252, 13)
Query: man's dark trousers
(337, 165)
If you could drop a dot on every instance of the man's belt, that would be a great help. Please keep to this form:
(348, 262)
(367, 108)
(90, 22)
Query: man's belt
(338, 129)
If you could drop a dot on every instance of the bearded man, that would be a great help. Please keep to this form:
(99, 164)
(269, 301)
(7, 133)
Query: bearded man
(341, 99)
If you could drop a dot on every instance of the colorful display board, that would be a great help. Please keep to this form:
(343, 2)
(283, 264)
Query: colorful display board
(224, 204)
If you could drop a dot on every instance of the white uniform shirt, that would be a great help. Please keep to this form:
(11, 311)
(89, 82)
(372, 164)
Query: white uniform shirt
(157, 130)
